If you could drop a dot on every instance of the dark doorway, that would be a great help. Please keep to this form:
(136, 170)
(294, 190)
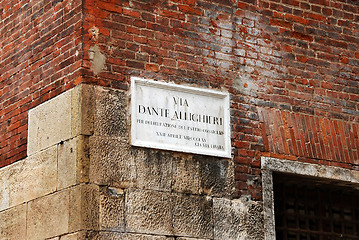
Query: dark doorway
(314, 209)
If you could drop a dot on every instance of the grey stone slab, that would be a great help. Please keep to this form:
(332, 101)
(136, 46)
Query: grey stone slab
(145, 237)
(111, 162)
(83, 158)
(192, 216)
(149, 212)
(185, 177)
(238, 219)
(153, 169)
(107, 236)
(82, 110)
(186, 238)
(73, 236)
(67, 164)
(80, 235)
(111, 107)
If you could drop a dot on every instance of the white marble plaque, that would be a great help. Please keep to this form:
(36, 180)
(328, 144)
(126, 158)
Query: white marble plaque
(180, 118)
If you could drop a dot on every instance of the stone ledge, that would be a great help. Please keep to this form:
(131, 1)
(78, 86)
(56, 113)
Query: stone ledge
(61, 118)
(31, 178)
(13, 223)
(48, 216)
(71, 210)
(55, 168)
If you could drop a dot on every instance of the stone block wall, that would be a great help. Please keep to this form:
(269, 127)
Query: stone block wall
(83, 180)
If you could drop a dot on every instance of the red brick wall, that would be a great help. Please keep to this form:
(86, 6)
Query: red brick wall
(40, 56)
(291, 67)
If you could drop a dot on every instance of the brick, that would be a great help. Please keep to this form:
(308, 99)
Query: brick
(190, 10)
(131, 13)
(281, 23)
(171, 14)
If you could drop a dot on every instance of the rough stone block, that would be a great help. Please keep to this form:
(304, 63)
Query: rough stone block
(48, 216)
(154, 170)
(111, 113)
(73, 162)
(49, 123)
(13, 223)
(185, 175)
(216, 176)
(149, 212)
(112, 206)
(111, 162)
(33, 177)
(192, 216)
(84, 208)
(229, 219)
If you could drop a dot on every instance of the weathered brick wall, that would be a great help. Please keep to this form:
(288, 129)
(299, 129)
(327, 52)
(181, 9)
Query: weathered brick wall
(291, 67)
(40, 57)
(278, 58)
